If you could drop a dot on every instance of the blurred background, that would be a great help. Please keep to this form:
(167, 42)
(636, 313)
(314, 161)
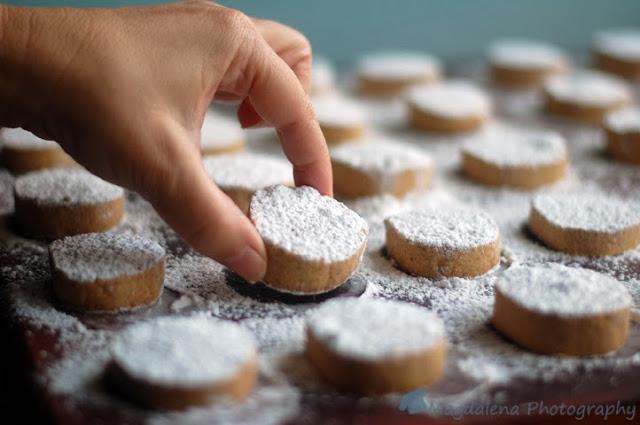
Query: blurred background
(451, 29)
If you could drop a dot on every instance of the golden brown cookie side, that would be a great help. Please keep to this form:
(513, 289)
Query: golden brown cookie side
(20, 161)
(623, 146)
(624, 68)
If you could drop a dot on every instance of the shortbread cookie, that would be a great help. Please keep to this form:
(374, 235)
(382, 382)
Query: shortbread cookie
(585, 223)
(585, 96)
(23, 151)
(524, 64)
(454, 106)
(391, 73)
(220, 134)
(178, 362)
(314, 243)
(373, 346)
(100, 272)
(618, 52)
(379, 167)
(240, 175)
(524, 160)
(553, 309)
(66, 201)
(322, 76)
(622, 132)
(341, 120)
(443, 242)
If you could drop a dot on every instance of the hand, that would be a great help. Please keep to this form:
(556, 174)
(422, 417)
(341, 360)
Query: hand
(124, 91)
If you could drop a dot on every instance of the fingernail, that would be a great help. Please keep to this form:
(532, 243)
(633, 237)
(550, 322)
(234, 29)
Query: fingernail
(250, 265)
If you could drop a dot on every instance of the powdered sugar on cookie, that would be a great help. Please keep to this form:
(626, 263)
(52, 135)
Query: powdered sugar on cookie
(560, 290)
(453, 99)
(248, 171)
(587, 211)
(70, 186)
(449, 228)
(103, 256)
(374, 329)
(588, 88)
(305, 223)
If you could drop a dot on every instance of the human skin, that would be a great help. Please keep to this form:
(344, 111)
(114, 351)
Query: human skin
(124, 91)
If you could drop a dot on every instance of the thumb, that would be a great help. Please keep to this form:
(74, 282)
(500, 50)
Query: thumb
(185, 197)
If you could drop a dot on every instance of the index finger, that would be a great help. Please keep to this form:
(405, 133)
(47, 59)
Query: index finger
(279, 98)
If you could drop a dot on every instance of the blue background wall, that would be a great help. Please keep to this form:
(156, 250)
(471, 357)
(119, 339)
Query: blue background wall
(342, 29)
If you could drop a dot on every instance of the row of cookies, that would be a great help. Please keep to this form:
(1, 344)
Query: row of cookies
(511, 63)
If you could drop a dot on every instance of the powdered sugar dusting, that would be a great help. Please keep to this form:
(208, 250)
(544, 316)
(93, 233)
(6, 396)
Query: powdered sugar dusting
(588, 88)
(380, 156)
(455, 99)
(183, 351)
(447, 228)
(219, 131)
(375, 329)
(19, 139)
(518, 149)
(249, 171)
(621, 43)
(526, 54)
(625, 120)
(305, 223)
(566, 291)
(399, 66)
(338, 111)
(103, 256)
(65, 186)
(590, 212)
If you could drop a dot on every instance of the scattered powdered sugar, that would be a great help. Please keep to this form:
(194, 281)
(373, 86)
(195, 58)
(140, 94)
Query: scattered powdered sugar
(375, 208)
(219, 131)
(338, 111)
(555, 289)
(526, 54)
(19, 139)
(304, 222)
(381, 157)
(375, 329)
(65, 187)
(518, 148)
(622, 43)
(399, 66)
(454, 99)
(249, 171)
(322, 75)
(590, 212)
(451, 228)
(183, 351)
(103, 256)
(625, 120)
(588, 88)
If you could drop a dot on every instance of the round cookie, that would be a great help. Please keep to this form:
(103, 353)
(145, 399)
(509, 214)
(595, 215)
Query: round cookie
(322, 76)
(523, 160)
(443, 242)
(23, 151)
(99, 272)
(314, 243)
(553, 309)
(373, 346)
(178, 362)
(341, 120)
(65, 201)
(220, 135)
(585, 96)
(585, 223)
(240, 175)
(618, 52)
(391, 73)
(366, 169)
(454, 106)
(622, 133)
(523, 64)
